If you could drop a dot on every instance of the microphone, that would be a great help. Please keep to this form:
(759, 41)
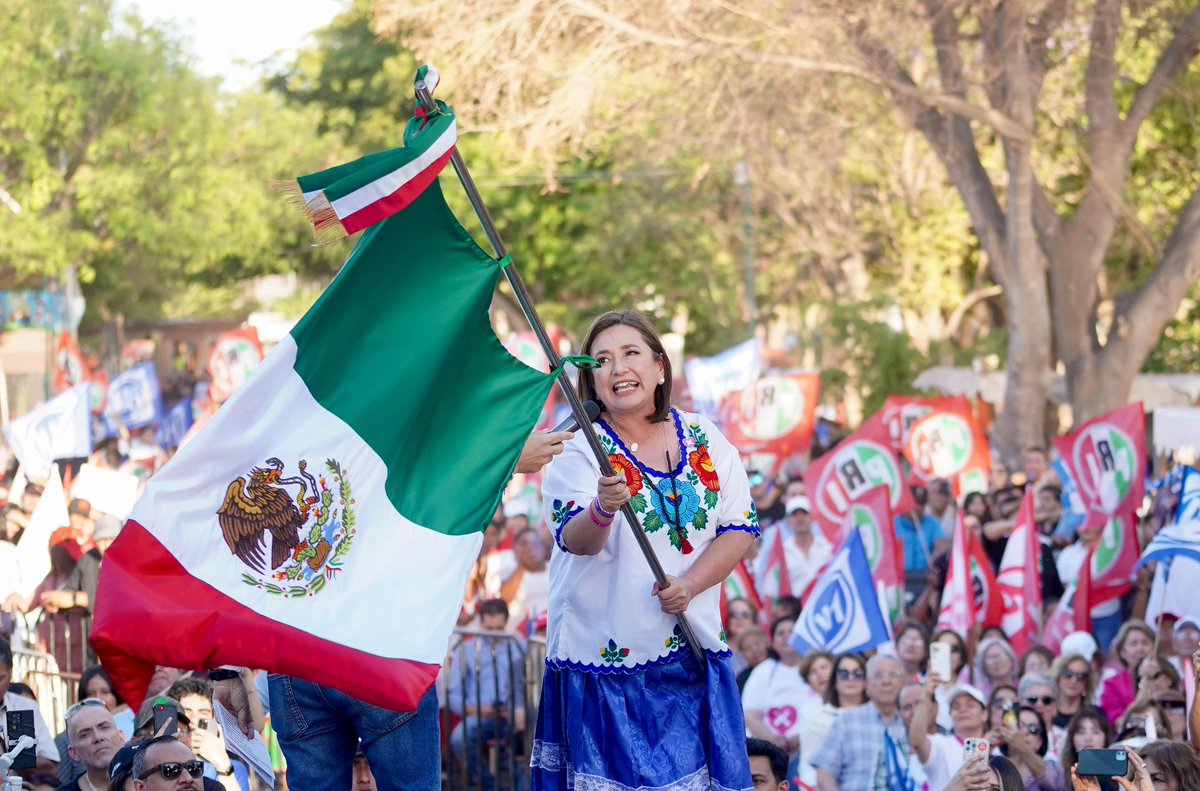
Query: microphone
(571, 424)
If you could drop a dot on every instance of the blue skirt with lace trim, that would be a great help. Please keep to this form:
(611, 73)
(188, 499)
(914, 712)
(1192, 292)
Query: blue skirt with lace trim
(661, 727)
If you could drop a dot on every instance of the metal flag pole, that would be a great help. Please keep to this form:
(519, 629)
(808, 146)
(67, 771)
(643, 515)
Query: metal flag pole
(535, 322)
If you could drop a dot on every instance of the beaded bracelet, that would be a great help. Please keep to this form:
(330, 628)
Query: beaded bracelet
(592, 510)
(600, 510)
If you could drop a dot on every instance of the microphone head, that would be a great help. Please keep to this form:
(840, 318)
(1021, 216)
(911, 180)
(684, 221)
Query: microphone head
(592, 409)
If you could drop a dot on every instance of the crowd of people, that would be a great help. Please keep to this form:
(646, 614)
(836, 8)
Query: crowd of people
(625, 699)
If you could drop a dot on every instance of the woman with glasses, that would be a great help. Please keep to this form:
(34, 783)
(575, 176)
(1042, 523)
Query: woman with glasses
(1028, 747)
(912, 648)
(1041, 694)
(740, 615)
(619, 670)
(1118, 687)
(1088, 729)
(847, 690)
(1142, 720)
(776, 697)
(1073, 674)
(995, 664)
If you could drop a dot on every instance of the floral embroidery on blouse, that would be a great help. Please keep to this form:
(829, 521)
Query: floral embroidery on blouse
(612, 655)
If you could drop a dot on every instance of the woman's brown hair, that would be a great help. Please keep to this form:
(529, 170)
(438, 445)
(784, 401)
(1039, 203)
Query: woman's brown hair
(629, 318)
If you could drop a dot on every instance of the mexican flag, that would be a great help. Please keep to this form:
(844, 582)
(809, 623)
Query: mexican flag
(324, 522)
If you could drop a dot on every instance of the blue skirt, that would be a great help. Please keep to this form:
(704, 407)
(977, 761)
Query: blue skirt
(661, 727)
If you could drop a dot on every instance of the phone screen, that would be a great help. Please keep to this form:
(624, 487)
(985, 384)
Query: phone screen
(939, 661)
(18, 724)
(165, 713)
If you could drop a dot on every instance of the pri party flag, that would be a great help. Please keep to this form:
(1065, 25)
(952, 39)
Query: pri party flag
(1109, 569)
(1019, 580)
(871, 518)
(842, 614)
(948, 443)
(971, 594)
(1106, 458)
(773, 577)
(61, 428)
(324, 522)
(859, 463)
(234, 357)
(772, 420)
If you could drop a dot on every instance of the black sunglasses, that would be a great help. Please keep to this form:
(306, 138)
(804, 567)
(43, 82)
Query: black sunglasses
(1033, 701)
(173, 769)
(846, 675)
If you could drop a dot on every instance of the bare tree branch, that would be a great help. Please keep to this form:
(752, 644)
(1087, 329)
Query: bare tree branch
(964, 307)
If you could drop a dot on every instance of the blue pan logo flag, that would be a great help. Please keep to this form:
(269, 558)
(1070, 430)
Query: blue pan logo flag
(842, 614)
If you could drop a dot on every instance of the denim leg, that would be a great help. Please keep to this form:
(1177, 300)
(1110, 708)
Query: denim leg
(408, 745)
(318, 740)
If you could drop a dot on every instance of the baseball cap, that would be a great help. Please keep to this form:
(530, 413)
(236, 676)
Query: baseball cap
(967, 689)
(1187, 620)
(121, 765)
(799, 503)
(107, 527)
(1081, 643)
(146, 712)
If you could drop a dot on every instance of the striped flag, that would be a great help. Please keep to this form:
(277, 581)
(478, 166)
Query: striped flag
(324, 522)
(346, 199)
(1181, 538)
(1019, 579)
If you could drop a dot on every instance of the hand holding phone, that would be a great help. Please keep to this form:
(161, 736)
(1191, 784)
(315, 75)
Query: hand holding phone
(976, 750)
(1103, 763)
(166, 719)
(939, 662)
(20, 723)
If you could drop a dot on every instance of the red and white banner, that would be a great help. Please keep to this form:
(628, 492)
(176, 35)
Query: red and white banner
(1106, 457)
(948, 443)
(1019, 580)
(773, 578)
(971, 595)
(1109, 569)
(234, 357)
(859, 463)
(70, 368)
(773, 420)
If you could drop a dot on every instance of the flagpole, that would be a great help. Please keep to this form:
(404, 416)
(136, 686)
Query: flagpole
(535, 322)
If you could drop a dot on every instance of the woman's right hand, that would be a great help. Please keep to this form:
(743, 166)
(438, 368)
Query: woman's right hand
(612, 492)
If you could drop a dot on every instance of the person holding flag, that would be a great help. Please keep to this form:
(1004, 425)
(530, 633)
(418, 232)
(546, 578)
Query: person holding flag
(621, 681)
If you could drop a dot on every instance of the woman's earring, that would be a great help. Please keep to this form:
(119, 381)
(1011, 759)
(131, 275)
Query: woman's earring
(662, 380)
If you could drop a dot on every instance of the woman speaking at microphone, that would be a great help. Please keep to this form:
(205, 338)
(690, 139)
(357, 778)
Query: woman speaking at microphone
(624, 703)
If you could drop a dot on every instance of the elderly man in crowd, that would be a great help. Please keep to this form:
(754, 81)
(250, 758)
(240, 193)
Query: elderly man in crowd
(852, 757)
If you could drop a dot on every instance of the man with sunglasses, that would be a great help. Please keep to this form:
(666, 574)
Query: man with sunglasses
(166, 764)
(93, 738)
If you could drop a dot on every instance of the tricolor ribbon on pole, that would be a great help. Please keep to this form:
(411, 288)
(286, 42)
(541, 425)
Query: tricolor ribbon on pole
(346, 199)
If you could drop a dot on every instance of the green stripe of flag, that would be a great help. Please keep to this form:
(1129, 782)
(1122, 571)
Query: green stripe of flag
(401, 348)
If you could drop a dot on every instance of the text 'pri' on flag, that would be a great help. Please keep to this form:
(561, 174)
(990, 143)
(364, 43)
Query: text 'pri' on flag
(324, 522)
(842, 614)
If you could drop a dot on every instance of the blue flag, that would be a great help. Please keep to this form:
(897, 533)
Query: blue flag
(175, 424)
(1188, 509)
(134, 398)
(1181, 538)
(842, 614)
(1074, 511)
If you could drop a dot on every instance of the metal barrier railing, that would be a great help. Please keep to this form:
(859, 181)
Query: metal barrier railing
(64, 635)
(54, 693)
(491, 685)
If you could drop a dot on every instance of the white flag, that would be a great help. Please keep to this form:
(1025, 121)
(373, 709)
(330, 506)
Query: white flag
(33, 554)
(61, 428)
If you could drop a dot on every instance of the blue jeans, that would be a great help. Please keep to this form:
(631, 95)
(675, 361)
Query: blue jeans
(319, 728)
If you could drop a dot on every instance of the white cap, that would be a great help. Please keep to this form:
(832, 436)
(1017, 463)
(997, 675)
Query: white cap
(799, 503)
(1081, 643)
(967, 689)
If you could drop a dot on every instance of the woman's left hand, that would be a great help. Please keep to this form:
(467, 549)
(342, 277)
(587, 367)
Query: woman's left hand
(674, 598)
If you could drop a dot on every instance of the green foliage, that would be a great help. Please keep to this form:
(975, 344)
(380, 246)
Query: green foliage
(139, 172)
(886, 362)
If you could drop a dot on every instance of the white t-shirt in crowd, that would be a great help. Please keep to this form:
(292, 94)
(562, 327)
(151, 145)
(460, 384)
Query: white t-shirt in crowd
(532, 598)
(779, 692)
(45, 740)
(945, 758)
(803, 569)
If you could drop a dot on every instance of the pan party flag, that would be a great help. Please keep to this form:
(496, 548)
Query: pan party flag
(324, 522)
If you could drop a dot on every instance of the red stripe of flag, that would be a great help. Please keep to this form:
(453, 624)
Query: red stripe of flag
(385, 207)
(148, 599)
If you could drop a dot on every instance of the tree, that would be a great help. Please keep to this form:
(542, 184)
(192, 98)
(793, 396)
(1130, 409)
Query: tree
(138, 172)
(1046, 179)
